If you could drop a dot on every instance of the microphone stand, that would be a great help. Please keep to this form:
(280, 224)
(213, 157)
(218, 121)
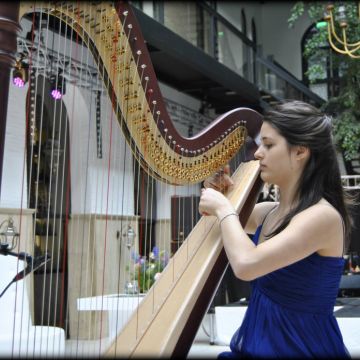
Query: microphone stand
(32, 264)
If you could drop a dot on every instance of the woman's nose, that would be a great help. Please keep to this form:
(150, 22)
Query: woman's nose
(258, 154)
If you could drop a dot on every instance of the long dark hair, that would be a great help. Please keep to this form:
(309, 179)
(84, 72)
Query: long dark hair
(303, 124)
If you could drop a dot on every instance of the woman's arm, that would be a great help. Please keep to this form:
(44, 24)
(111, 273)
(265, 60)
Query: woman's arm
(312, 230)
(221, 181)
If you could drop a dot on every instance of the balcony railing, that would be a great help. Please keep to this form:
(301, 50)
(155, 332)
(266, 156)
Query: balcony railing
(202, 26)
(351, 181)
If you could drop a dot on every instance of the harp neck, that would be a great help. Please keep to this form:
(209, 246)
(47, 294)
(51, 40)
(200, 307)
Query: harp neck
(120, 52)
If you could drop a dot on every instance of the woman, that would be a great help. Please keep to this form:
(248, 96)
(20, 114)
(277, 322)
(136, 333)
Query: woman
(295, 259)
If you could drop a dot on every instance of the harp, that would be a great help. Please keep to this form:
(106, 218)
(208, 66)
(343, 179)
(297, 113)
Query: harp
(85, 249)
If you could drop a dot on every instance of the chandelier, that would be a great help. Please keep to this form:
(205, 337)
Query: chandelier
(340, 43)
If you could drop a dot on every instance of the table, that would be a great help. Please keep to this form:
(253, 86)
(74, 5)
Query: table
(119, 307)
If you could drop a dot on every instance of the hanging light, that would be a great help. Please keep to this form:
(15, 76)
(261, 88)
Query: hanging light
(20, 73)
(340, 43)
(57, 85)
(129, 236)
(8, 235)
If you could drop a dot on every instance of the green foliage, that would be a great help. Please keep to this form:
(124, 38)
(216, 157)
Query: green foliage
(296, 12)
(346, 111)
(347, 133)
(345, 108)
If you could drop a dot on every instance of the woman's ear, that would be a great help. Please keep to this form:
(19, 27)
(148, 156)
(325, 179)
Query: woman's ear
(302, 152)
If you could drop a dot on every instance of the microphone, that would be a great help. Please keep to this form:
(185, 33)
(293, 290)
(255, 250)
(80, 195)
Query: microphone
(32, 264)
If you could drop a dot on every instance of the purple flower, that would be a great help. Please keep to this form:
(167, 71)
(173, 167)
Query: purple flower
(156, 252)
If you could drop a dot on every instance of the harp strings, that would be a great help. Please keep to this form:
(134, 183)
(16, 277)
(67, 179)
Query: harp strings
(20, 289)
(81, 231)
(122, 168)
(110, 197)
(42, 197)
(90, 245)
(63, 124)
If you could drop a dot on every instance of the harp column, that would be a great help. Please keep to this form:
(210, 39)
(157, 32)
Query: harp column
(9, 27)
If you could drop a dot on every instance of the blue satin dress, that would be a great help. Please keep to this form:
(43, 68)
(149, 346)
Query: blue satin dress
(290, 313)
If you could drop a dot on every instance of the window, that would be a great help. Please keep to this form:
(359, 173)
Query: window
(320, 73)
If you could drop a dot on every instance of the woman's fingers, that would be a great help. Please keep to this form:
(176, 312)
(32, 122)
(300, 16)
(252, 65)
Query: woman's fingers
(210, 183)
(220, 180)
(226, 169)
(211, 201)
(202, 203)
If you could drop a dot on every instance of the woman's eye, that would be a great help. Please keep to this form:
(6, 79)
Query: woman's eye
(268, 146)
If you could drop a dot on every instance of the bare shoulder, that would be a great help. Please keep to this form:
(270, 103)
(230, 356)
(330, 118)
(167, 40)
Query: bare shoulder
(262, 209)
(323, 213)
(323, 224)
(259, 212)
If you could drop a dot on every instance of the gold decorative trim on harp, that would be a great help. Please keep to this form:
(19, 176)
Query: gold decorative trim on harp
(186, 285)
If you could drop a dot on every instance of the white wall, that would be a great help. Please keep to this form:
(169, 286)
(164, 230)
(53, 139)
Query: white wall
(279, 40)
(13, 189)
(272, 29)
(98, 185)
(91, 192)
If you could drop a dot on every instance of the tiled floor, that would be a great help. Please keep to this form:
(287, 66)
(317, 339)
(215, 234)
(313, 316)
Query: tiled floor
(348, 317)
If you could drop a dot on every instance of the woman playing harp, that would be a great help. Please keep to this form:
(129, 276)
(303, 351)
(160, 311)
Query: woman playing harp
(295, 259)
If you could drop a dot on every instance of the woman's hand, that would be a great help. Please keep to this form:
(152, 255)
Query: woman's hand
(213, 202)
(220, 181)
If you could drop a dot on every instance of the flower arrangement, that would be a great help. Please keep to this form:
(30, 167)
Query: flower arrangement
(145, 271)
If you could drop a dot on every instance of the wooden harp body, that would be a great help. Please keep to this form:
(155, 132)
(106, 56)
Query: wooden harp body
(172, 309)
